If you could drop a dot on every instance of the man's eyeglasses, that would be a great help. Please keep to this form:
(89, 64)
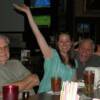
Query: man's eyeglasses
(6, 47)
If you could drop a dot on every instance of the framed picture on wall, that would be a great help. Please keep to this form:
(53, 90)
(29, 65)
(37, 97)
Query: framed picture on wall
(92, 6)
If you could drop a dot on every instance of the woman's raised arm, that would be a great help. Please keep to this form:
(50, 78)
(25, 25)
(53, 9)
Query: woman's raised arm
(45, 49)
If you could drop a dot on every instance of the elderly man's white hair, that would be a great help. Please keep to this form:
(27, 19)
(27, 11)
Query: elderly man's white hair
(88, 40)
(5, 38)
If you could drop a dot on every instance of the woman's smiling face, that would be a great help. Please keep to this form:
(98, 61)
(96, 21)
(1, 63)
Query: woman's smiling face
(64, 43)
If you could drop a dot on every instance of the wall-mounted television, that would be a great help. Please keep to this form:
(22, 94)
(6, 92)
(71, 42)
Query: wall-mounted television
(40, 7)
(43, 20)
(40, 3)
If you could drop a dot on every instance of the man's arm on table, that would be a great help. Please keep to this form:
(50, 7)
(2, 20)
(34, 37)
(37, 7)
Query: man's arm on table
(28, 82)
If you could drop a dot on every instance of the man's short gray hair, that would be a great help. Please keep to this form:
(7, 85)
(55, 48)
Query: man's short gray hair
(5, 38)
(87, 40)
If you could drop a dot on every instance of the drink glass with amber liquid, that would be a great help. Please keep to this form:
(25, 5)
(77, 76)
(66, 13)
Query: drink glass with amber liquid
(56, 84)
(89, 82)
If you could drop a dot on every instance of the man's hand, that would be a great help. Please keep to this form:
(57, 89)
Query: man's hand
(28, 82)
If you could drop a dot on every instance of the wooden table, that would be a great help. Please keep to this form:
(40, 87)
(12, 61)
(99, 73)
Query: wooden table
(47, 96)
(44, 97)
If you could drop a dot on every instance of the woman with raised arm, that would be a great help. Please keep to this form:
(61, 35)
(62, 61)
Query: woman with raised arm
(58, 62)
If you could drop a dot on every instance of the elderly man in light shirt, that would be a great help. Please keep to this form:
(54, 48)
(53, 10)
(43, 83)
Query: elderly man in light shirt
(12, 72)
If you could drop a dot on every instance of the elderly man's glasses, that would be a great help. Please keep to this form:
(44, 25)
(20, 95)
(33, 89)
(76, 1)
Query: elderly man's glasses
(6, 47)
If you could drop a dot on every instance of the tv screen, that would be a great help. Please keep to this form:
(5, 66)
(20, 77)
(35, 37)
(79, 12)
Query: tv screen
(40, 3)
(43, 20)
(83, 27)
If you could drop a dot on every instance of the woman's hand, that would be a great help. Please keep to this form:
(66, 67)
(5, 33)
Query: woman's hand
(23, 7)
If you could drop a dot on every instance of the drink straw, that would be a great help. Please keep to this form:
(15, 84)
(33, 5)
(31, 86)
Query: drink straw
(68, 91)
(71, 90)
(62, 95)
(75, 87)
(63, 84)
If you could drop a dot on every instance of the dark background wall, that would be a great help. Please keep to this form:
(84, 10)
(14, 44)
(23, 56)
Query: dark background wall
(10, 21)
(66, 14)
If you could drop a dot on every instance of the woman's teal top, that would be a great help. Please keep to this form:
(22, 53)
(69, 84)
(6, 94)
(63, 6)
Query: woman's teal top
(54, 67)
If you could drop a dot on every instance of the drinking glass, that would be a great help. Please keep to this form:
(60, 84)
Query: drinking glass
(56, 84)
(10, 92)
(89, 82)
